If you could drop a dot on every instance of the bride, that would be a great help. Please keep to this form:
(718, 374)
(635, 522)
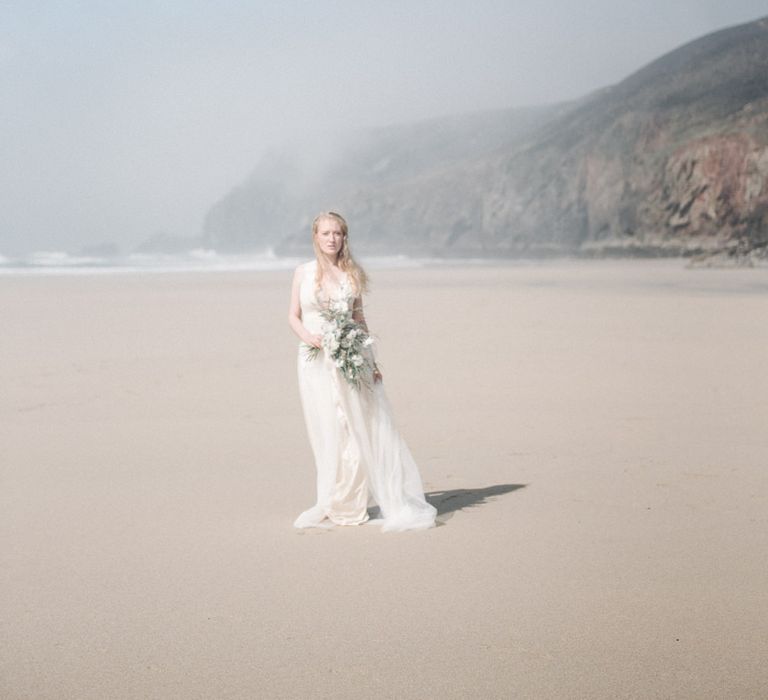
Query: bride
(360, 456)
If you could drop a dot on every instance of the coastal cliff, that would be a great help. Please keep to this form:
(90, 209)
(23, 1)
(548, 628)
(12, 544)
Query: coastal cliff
(673, 160)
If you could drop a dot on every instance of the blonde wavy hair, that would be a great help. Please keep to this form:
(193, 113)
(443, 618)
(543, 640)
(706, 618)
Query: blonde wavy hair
(346, 262)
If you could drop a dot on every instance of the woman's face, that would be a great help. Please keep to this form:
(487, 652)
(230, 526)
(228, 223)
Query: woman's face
(330, 237)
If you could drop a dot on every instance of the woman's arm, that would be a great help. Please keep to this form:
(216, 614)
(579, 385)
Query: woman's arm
(294, 313)
(359, 317)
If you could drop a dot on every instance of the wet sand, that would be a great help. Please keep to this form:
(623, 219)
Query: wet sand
(592, 433)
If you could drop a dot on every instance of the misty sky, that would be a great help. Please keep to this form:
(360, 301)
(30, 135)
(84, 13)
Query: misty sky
(122, 119)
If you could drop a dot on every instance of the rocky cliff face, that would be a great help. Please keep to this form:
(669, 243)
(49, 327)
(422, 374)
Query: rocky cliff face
(673, 160)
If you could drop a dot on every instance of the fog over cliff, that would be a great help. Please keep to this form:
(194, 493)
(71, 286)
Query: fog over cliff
(124, 123)
(672, 160)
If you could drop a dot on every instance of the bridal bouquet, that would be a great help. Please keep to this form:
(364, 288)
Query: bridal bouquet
(345, 341)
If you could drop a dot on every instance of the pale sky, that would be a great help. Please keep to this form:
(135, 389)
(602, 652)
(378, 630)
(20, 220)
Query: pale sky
(122, 119)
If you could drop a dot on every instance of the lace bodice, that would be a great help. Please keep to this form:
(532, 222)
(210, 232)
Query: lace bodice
(311, 305)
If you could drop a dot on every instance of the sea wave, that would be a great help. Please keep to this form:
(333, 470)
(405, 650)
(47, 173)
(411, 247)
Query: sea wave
(198, 259)
(48, 262)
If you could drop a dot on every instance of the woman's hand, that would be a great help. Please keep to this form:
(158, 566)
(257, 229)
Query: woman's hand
(377, 375)
(316, 341)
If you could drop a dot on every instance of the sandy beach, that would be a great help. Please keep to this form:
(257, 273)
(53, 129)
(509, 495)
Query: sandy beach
(593, 435)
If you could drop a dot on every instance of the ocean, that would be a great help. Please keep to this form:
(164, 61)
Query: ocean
(196, 260)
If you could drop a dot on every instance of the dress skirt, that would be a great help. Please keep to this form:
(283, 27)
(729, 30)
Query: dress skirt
(360, 457)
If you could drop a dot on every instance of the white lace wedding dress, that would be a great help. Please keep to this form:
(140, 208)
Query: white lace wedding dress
(360, 457)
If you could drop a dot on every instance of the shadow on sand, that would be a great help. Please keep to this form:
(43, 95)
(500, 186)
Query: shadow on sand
(448, 502)
(458, 499)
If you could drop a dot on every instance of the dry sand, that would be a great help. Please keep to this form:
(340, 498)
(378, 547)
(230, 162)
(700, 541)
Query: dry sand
(593, 434)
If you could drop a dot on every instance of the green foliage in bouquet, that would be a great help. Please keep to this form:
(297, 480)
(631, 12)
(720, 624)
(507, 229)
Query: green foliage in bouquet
(346, 343)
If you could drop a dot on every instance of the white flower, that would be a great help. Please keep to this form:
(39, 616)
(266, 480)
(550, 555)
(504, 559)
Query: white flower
(368, 341)
(339, 306)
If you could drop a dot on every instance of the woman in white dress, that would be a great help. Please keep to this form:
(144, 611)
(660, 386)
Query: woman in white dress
(360, 456)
